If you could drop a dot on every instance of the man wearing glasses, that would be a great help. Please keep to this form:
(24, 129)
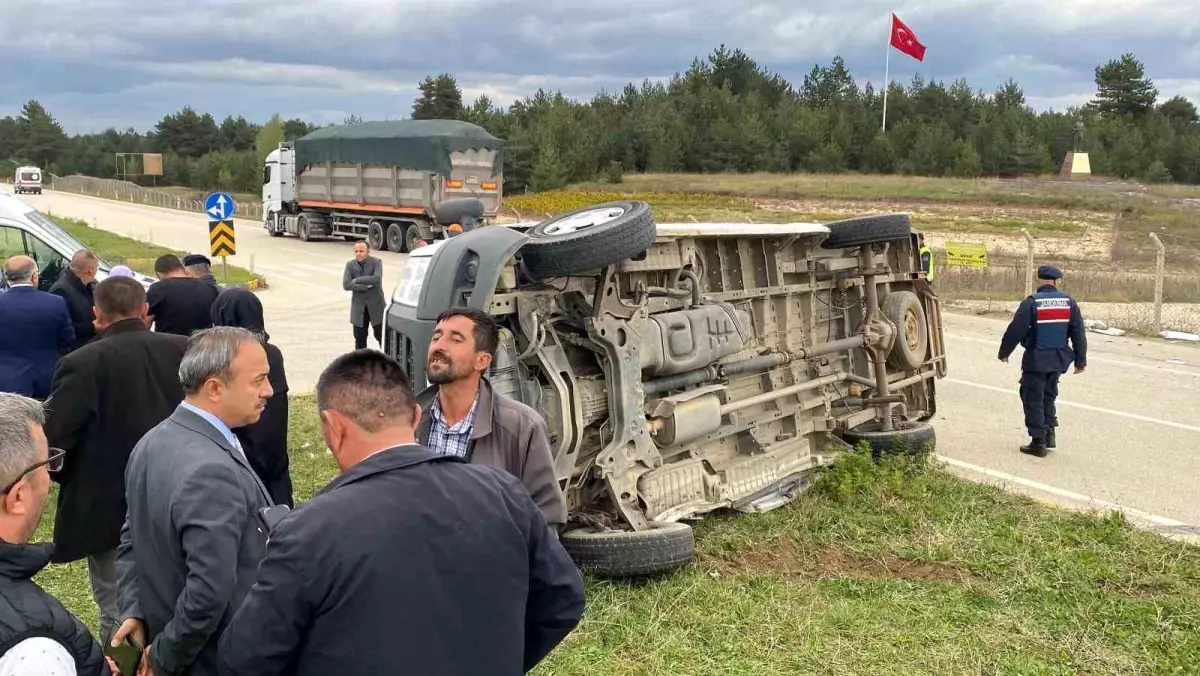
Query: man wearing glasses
(57, 643)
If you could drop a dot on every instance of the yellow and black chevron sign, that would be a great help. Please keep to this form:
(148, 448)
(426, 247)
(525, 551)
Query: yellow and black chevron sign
(220, 238)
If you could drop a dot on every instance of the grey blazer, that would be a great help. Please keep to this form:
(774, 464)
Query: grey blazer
(365, 280)
(192, 540)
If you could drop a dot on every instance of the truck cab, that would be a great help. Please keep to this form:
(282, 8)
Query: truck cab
(279, 181)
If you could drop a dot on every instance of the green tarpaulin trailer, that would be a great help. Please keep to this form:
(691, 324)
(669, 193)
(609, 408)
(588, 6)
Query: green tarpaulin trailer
(427, 145)
(381, 181)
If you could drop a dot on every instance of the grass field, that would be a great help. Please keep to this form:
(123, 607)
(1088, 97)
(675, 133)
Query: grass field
(138, 255)
(880, 569)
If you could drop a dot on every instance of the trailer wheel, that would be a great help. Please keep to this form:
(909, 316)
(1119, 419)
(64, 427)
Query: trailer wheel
(867, 230)
(620, 553)
(588, 239)
(375, 236)
(903, 308)
(395, 238)
(412, 238)
(907, 438)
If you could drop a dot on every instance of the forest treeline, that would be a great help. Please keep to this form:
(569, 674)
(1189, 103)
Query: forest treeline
(724, 114)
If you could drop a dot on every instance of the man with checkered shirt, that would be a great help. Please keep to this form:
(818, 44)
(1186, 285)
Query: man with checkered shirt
(463, 415)
(1043, 324)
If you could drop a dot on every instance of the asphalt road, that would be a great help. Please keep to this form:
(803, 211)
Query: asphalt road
(1129, 424)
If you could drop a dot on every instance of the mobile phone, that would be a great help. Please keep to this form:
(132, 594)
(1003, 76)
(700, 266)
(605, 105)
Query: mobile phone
(271, 516)
(127, 655)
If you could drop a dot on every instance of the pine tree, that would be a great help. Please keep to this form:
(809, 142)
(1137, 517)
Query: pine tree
(440, 99)
(1123, 88)
(43, 140)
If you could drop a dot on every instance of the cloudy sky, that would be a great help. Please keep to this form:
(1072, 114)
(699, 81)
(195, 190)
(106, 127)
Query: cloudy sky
(101, 63)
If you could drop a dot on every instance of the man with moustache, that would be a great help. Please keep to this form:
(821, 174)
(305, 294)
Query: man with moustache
(463, 416)
(194, 534)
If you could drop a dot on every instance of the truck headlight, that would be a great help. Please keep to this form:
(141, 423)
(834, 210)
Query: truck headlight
(412, 278)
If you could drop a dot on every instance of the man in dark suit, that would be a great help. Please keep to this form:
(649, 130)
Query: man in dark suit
(76, 286)
(178, 303)
(193, 535)
(410, 562)
(106, 395)
(363, 277)
(35, 331)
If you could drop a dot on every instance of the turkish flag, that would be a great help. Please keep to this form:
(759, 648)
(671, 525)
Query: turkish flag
(905, 40)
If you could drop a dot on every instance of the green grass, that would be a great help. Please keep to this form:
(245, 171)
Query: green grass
(881, 569)
(1100, 194)
(138, 255)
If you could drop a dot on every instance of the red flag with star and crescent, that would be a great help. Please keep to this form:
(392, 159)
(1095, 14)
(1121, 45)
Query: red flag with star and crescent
(905, 40)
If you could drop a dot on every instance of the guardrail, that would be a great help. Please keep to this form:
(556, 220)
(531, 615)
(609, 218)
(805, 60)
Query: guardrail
(127, 191)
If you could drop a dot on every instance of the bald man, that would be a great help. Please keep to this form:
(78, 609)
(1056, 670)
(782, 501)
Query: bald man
(35, 330)
(76, 287)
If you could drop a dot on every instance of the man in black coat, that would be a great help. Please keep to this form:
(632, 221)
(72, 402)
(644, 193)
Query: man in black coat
(179, 304)
(409, 562)
(105, 396)
(266, 441)
(76, 287)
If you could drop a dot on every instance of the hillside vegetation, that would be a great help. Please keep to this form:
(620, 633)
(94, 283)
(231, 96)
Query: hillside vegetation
(723, 114)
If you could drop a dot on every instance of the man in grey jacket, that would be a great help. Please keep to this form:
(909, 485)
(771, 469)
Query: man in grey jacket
(193, 534)
(462, 415)
(363, 277)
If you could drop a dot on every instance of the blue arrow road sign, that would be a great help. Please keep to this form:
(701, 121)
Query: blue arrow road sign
(219, 206)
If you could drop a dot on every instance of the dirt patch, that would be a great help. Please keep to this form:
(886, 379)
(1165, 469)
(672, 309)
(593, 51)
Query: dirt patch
(788, 559)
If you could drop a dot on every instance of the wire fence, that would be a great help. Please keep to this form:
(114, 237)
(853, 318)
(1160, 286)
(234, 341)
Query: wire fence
(127, 191)
(1143, 301)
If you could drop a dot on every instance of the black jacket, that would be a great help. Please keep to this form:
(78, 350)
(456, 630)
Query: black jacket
(181, 305)
(265, 441)
(408, 563)
(79, 305)
(105, 396)
(26, 610)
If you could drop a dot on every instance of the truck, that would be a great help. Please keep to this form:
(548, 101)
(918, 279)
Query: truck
(28, 179)
(683, 368)
(395, 184)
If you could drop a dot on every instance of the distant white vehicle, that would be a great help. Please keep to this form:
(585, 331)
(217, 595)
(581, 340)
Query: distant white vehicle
(28, 179)
(25, 230)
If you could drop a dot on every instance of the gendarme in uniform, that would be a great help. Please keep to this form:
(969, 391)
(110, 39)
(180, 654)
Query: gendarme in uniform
(1044, 324)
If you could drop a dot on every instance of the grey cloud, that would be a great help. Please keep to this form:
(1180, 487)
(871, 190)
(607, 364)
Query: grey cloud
(135, 60)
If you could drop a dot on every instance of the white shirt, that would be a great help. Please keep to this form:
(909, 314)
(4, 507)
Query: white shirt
(37, 656)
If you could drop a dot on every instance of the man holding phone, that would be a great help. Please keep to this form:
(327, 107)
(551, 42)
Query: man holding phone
(195, 530)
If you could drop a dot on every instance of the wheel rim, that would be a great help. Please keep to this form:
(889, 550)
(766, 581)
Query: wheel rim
(375, 234)
(912, 329)
(584, 220)
(412, 236)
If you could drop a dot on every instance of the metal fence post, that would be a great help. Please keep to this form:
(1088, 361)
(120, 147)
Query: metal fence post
(1159, 271)
(1028, 263)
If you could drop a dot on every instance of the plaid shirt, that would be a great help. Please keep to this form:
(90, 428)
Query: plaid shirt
(447, 440)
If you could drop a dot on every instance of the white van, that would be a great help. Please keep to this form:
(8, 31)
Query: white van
(25, 230)
(28, 179)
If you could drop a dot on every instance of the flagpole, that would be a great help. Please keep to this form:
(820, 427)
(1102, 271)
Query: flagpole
(887, 62)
